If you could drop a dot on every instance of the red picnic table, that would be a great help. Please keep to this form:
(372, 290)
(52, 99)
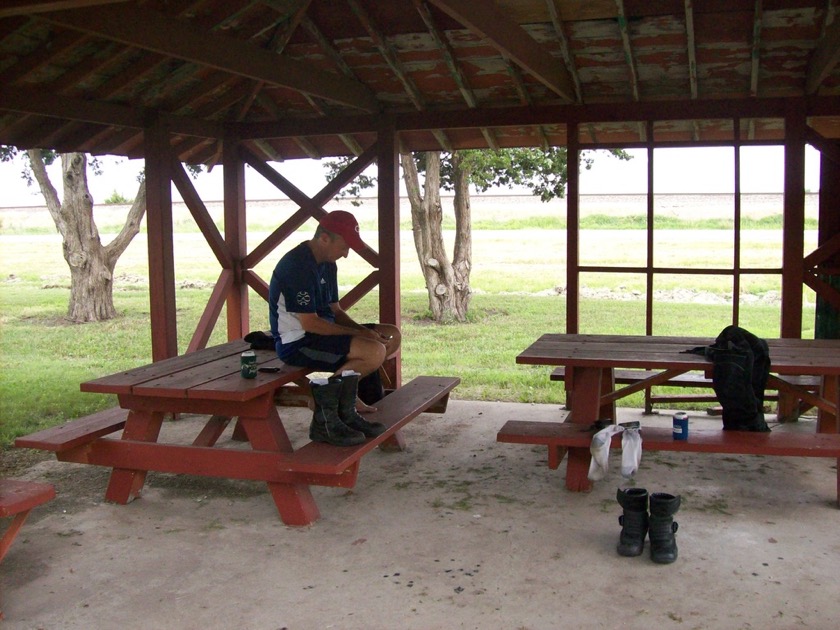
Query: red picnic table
(209, 382)
(591, 361)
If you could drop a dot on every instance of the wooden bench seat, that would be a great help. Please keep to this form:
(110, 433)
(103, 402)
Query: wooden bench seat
(789, 409)
(17, 499)
(428, 394)
(75, 432)
(563, 437)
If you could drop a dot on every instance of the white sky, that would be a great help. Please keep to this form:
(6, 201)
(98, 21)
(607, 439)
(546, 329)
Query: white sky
(697, 170)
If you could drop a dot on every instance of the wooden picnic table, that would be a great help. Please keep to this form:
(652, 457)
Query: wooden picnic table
(208, 382)
(591, 361)
(594, 358)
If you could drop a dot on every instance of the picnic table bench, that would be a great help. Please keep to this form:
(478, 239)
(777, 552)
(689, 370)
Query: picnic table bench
(573, 440)
(17, 500)
(788, 409)
(208, 382)
(593, 361)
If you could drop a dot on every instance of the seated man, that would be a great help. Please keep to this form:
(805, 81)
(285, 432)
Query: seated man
(310, 329)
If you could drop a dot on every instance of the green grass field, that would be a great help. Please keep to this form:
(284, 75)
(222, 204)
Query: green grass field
(518, 278)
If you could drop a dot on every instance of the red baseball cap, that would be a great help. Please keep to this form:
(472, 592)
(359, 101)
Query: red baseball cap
(345, 225)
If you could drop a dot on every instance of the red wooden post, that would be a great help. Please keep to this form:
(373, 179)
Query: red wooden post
(389, 236)
(572, 229)
(160, 244)
(235, 237)
(794, 222)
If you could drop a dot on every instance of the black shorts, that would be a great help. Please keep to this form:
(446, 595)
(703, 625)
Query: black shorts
(325, 353)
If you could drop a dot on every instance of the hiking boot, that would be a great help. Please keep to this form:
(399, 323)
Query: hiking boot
(347, 406)
(634, 521)
(326, 424)
(663, 543)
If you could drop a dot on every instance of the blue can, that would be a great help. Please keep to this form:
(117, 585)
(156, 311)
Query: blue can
(680, 425)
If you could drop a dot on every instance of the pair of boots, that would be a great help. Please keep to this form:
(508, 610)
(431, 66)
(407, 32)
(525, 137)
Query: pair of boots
(636, 524)
(336, 420)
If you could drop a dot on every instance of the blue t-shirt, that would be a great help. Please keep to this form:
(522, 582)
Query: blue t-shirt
(299, 284)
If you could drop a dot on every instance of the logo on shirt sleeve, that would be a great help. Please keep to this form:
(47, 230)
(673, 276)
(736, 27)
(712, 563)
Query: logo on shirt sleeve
(303, 298)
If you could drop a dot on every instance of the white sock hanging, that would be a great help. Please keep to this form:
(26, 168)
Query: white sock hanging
(600, 450)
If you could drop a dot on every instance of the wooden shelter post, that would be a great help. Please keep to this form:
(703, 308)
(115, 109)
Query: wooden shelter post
(572, 229)
(160, 242)
(793, 225)
(238, 312)
(388, 162)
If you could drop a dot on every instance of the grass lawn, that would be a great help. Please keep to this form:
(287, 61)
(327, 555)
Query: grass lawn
(518, 277)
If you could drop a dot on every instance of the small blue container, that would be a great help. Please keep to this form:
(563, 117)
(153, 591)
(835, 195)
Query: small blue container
(681, 425)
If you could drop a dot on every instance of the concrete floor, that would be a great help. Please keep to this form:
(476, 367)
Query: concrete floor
(458, 531)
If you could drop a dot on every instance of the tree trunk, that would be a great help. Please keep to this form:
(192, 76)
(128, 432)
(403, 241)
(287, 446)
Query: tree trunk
(462, 253)
(91, 264)
(447, 284)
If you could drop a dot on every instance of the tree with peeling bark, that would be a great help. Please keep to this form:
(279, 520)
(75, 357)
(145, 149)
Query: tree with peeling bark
(447, 283)
(543, 172)
(91, 263)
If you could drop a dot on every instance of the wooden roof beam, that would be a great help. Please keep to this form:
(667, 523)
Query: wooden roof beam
(755, 59)
(315, 33)
(388, 53)
(691, 47)
(33, 101)
(154, 31)
(524, 96)
(59, 45)
(560, 30)
(544, 115)
(28, 7)
(825, 57)
(691, 50)
(755, 53)
(487, 20)
(449, 59)
(346, 139)
(276, 45)
(624, 30)
(390, 56)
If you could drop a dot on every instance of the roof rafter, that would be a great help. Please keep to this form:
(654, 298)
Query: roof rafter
(484, 18)
(560, 30)
(825, 57)
(691, 47)
(154, 31)
(33, 101)
(452, 64)
(628, 48)
(524, 97)
(315, 33)
(389, 54)
(691, 50)
(27, 7)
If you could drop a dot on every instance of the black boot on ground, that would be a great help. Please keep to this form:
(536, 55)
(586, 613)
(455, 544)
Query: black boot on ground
(663, 543)
(634, 521)
(326, 424)
(347, 407)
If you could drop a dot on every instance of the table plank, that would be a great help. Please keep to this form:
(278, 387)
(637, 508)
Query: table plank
(787, 356)
(123, 382)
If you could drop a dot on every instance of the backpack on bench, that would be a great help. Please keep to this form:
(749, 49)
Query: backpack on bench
(739, 376)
